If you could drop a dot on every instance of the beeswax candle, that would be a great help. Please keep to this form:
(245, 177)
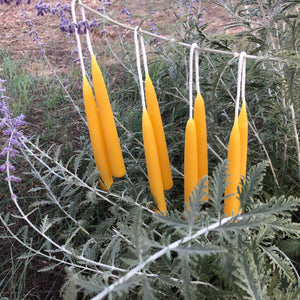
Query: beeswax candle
(200, 121)
(243, 127)
(155, 117)
(111, 138)
(232, 204)
(190, 160)
(152, 161)
(96, 135)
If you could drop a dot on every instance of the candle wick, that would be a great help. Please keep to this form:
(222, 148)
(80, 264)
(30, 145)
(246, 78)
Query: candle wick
(244, 77)
(144, 54)
(239, 79)
(77, 38)
(191, 79)
(88, 38)
(197, 71)
(138, 64)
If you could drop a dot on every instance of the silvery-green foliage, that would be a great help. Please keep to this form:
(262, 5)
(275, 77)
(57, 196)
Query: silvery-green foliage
(110, 244)
(238, 245)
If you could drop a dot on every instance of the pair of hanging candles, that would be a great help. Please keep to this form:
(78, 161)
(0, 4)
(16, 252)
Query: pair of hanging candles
(159, 134)
(96, 136)
(155, 147)
(238, 146)
(195, 150)
(243, 127)
(200, 120)
(102, 129)
(112, 144)
(152, 162)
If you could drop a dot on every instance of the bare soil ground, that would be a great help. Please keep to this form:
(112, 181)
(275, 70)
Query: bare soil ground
(14, 33)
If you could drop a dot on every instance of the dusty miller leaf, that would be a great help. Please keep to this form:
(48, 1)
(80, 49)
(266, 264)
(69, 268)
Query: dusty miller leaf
(253, 183)
(70, 292)
(217, 186)
(279, 263)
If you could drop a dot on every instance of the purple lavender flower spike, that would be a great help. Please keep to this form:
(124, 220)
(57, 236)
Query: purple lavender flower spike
(10, 128)
(3, 168)
(13, 178)
(9, 150)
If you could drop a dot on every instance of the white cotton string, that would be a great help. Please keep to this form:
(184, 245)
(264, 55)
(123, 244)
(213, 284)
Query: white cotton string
(88, 38)
(138, 64)
(144, 54)
(191, 80)
(197, 70)
(244, 77)
(77, 38)
(239, 79)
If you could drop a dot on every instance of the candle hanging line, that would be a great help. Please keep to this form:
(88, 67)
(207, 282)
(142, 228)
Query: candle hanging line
(138, 64)
(191, 80)
(173, 41)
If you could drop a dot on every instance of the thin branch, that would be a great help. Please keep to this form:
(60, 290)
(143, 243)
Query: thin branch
(253, 128)
(37, 252)
(54, 197)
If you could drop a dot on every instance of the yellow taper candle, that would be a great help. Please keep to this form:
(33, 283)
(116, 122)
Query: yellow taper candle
(152, 161)
(96, 135)
(111, 138)
(155, 117)
(190, 160)
(243, 127)
(200, 121)
(232, 204)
